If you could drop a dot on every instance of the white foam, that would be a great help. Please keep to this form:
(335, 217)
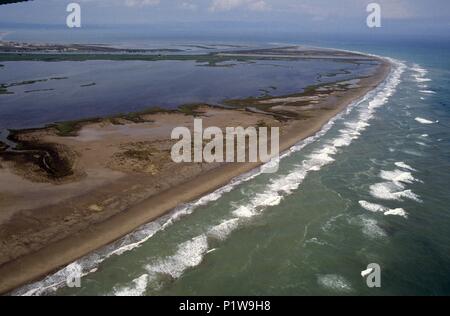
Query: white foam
(420, 70)
(334, 282)
(404, 166)
(51, 283)
(225, 228)
(397, 176)
(188, 255)
(377, 208)
(392, 191)
(397, 212)
(244, 212)
(372, 207)
(419, 79)
(428, 91)
(371, 229)
(138, 287)
(423, 121)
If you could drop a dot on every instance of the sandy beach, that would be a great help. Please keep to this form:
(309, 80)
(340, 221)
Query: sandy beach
(48, 222)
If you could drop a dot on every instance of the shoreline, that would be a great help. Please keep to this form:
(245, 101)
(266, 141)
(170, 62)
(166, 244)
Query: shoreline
(34, 266)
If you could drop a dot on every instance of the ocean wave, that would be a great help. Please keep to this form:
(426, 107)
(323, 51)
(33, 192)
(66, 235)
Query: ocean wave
(138, 287)
(191, 253)
(419, 76)
(397, 176)
(397, 212)
(427, 91)
(419, 79)
(375, 208)
(403, 165)
(369, 226)
(51, 283)
(419, 70)
(188, 255)
(392, 191)
(222, 230)
(334, 282)
(371, 229)
(424, 121)
(372, 207)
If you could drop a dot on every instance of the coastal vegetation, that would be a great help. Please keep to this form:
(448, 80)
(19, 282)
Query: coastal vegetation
(4, 86)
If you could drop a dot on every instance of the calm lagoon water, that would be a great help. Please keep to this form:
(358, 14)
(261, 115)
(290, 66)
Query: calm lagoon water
(74, 90)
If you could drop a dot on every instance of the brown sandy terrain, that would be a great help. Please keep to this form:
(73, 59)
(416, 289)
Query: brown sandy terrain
(122, 176)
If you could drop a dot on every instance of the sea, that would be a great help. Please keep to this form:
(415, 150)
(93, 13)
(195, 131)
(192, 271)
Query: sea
(372, 187)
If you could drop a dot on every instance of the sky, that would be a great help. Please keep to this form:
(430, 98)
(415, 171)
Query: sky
(405, 17)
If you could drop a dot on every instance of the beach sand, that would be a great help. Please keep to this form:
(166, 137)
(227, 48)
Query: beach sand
(49, 223)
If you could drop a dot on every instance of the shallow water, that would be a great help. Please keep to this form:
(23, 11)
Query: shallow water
(75, 90)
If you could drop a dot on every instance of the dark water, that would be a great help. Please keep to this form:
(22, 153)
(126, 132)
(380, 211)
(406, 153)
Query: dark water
(372, 187)
(75, 90)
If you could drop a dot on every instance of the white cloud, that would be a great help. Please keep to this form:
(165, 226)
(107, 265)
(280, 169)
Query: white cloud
(259, 5)
(141, 3)
(189, 6)
(324, 9)
(228, 5)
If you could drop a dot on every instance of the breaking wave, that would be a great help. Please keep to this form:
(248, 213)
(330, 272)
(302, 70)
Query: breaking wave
(377, 208)
(424, 121)
(419, 74)
(404, 166)
(392, 191)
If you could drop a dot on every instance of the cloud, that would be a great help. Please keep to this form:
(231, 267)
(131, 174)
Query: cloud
(188, 6)
(228, 5)
(127, 3)
(141, 3)
(324, 9)
(258, 6)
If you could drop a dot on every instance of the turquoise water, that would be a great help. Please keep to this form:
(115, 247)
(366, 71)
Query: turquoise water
(372, 187)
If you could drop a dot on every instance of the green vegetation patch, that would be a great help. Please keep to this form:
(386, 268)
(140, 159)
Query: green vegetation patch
(70, 128)
(190, 109)
(212, 59)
